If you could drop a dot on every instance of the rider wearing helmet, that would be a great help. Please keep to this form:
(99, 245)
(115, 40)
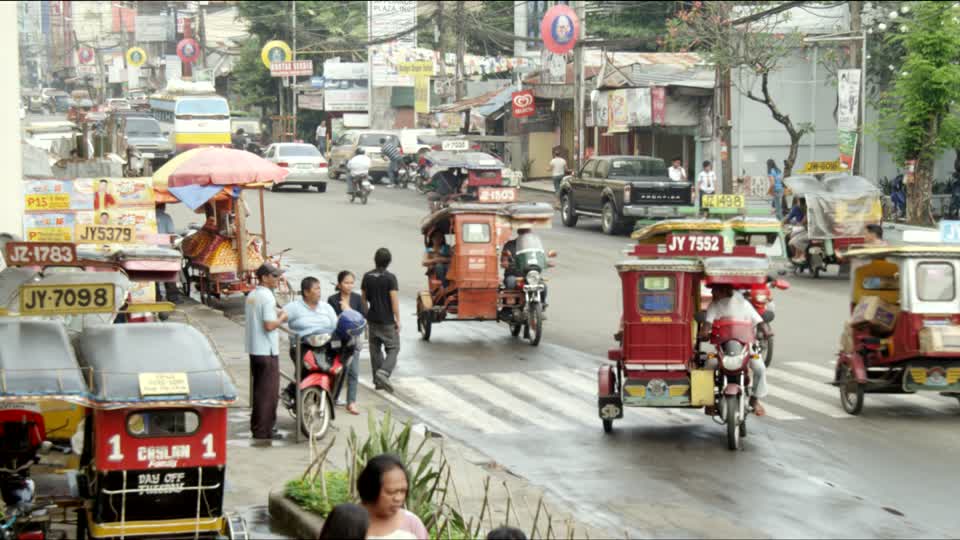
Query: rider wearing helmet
(357, 168)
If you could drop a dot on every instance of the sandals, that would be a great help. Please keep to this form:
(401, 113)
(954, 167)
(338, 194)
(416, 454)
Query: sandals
(352, 409)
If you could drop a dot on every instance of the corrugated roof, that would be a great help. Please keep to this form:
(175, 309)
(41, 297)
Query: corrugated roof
(489, 98)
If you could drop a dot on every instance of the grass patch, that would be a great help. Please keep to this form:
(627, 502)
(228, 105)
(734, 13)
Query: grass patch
(309, 493)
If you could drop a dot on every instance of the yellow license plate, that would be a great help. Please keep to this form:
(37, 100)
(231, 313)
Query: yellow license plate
(724, 201)
(66, 299)
(105, 234)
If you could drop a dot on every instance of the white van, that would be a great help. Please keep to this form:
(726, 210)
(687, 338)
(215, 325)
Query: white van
(410, 142)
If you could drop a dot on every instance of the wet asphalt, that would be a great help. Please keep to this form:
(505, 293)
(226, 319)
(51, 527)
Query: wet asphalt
(807, 470)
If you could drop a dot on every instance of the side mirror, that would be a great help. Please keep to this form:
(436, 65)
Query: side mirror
(552, 253)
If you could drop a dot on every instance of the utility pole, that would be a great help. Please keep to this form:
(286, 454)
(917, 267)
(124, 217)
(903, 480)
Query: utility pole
(438, 41)
(722, 119)
(202, 36)
(579, 84)
(293, 100)
(856, 25)
(461, 50)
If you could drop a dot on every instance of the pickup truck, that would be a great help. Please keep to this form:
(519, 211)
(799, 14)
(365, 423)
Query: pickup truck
(621, 190)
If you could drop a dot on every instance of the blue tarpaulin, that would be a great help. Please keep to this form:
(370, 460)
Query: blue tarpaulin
(195, 196)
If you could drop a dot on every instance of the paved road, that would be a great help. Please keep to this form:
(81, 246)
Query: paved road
(808, 470)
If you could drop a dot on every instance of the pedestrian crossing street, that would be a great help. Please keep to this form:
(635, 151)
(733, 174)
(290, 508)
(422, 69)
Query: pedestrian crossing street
(505, 403)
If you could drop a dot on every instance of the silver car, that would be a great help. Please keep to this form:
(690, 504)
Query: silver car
(306, 165)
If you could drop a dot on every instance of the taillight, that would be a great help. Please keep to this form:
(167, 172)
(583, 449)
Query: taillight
(321, 165)
(283, 164)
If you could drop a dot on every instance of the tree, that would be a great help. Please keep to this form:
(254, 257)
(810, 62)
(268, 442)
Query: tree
(251, 80)
(758, 46)
(917, 121)
(644, 22)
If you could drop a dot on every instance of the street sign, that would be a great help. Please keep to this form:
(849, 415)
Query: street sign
(296, 68)
(136, 56)
(950, 232)
(275, 51)
(188, 50)
(417, 68)
(455, 145)
(694, 245)
(39, 253)
(317, 82)
(817, 167)
(85, 55)
(523, 103)
(559, 29)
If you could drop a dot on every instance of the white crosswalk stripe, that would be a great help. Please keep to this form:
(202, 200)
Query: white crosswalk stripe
(438, 398)
(552, 398)
(495, 395)
(780, 393)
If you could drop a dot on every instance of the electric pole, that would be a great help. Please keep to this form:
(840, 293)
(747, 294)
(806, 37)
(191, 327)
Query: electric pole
(293, 100)
(578, 85)
(438, 41)
(856, 9)
(202, 36)
(461, 50)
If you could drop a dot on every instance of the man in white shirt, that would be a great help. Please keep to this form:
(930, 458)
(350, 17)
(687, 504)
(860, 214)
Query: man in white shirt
(558, 167)
(706, 181)
(729, 304)
(321, 135)
(357, 168)
(676, 171)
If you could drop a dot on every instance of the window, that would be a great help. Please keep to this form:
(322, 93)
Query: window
(298, 150)
(142, 126)
(655, 167)
(657, 294)
(373, 139)
(935, 282)
(587, 171)
(602, 169)
(163, 422)
(476, 233)
(203, 106)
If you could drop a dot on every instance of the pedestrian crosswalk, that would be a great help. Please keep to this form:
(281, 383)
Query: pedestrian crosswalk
(563, 399)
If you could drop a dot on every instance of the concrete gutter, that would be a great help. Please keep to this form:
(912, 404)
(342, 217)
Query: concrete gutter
(287, 514)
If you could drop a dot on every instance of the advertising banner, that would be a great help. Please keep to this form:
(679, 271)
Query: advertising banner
(841, 215)
(847, 143)
(658, 105)
(387, 19)
(345, 86)
(421, 95)
(848, 92)
(523, 104)
(554, 67)
(638, 107)
(617, 111)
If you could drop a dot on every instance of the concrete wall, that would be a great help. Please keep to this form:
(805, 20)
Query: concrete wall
(11, 184)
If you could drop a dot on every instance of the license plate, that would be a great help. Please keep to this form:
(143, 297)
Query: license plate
(147, 155)
(304, 166)
(108, 234)
(694, 244)
(724, 201)
(40, 253)
(497, 195)
(66, 299)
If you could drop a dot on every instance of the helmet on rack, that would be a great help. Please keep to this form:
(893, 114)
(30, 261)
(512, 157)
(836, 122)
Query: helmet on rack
(350, 324)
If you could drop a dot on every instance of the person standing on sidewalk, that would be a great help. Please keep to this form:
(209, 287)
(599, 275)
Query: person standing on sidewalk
(392, 153)
(341, 301)
(776, 187)
(321, 136)
(380, 295)
(706, 181)
(558, 167)
(263, 318)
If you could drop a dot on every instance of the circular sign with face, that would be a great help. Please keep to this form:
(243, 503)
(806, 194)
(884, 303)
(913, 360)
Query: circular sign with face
(85, 54)
(136, 56)
(188, 50)
(559, 29)
(275, 51)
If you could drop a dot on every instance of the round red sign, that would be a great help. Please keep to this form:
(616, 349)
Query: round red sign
(188, 50)
(559, 29)
(85, 54)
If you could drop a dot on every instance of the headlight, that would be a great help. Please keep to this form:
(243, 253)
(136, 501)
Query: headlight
(761, 297)
(732, 363)
(533, 277)
(318, 340)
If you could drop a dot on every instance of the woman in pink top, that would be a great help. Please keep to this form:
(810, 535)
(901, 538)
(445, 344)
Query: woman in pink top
(383, 486)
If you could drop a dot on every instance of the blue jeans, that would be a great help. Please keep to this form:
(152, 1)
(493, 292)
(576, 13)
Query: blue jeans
(778, 203)
(392, 170)
(556, 184)
(353, 378)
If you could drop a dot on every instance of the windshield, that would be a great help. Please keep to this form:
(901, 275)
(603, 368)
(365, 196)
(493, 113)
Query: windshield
(935, 282)
(622, 168)
(373, 139)
(529, 242)
(298, 150)
(203, 106)
(143, 126)
(250, 126)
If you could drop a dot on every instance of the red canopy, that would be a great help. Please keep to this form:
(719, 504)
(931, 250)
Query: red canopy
(225, 166)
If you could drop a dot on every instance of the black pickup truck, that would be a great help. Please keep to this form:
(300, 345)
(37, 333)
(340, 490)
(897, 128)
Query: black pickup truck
(621, 190)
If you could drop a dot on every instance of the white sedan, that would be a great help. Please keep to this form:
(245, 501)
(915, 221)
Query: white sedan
(306, 165)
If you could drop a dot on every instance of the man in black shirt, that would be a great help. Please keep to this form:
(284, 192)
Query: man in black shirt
(379, 293)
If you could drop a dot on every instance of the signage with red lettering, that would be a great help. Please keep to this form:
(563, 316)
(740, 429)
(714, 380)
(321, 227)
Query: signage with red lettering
(296, 68)
(658, 105)
(523, 104)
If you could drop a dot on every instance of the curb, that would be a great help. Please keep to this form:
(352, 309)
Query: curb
(287, 515)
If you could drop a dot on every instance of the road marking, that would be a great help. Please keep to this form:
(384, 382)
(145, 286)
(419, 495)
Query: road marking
(809, 385)
(779, 414)
(897, 399)
(522, 409)
(585, 383)
(550, 396)
(577, 379)
(806, 402)
(451, 405)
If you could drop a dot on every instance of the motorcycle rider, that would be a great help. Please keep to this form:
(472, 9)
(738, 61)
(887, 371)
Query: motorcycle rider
(392, 152)
(512, 270)
(730, 304)
(307, 316)
(357, 168)
(239, 139)
(799, 239)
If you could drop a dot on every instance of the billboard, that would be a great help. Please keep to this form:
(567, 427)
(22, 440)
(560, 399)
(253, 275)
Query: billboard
(345, 86)
(386, 19)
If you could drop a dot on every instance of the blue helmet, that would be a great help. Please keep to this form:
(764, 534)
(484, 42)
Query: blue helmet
(350, 324)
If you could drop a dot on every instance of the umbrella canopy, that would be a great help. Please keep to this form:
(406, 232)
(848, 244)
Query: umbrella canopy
(224, 167)
(162, 175)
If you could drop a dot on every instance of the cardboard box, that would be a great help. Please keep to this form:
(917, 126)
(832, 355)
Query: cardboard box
(935, 339)
(874, 312)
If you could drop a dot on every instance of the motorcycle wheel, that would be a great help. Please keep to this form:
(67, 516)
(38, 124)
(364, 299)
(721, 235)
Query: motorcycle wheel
(731, 408)
(515, 329)
(535, 323)
(353, 197)
(851, 392)
(315, 405)
(363, 198)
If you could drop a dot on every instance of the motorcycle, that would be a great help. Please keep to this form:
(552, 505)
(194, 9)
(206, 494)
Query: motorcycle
(362, 189)
(761, 297)
(325, 362)
(406, 171)
(735, 344)
(531, 260)
(22, 434)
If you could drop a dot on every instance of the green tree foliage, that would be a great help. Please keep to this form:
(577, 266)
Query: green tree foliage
(645, 22)
(251, 80)
(917, 122)
(758, 47)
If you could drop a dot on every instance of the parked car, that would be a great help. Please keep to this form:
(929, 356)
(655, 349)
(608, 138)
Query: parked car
(306, 165)
(620, 190)
(144, 133)
(138, 99)
(118, 104)
(346, 145)
(33, 100)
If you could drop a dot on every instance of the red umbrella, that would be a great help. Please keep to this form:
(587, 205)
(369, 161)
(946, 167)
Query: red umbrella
(225, 167)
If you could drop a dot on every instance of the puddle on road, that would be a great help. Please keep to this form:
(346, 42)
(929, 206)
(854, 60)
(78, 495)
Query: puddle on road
(259, 526)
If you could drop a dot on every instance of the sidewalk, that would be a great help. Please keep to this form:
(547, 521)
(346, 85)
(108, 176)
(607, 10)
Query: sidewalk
(544, 186)
(254, 472)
